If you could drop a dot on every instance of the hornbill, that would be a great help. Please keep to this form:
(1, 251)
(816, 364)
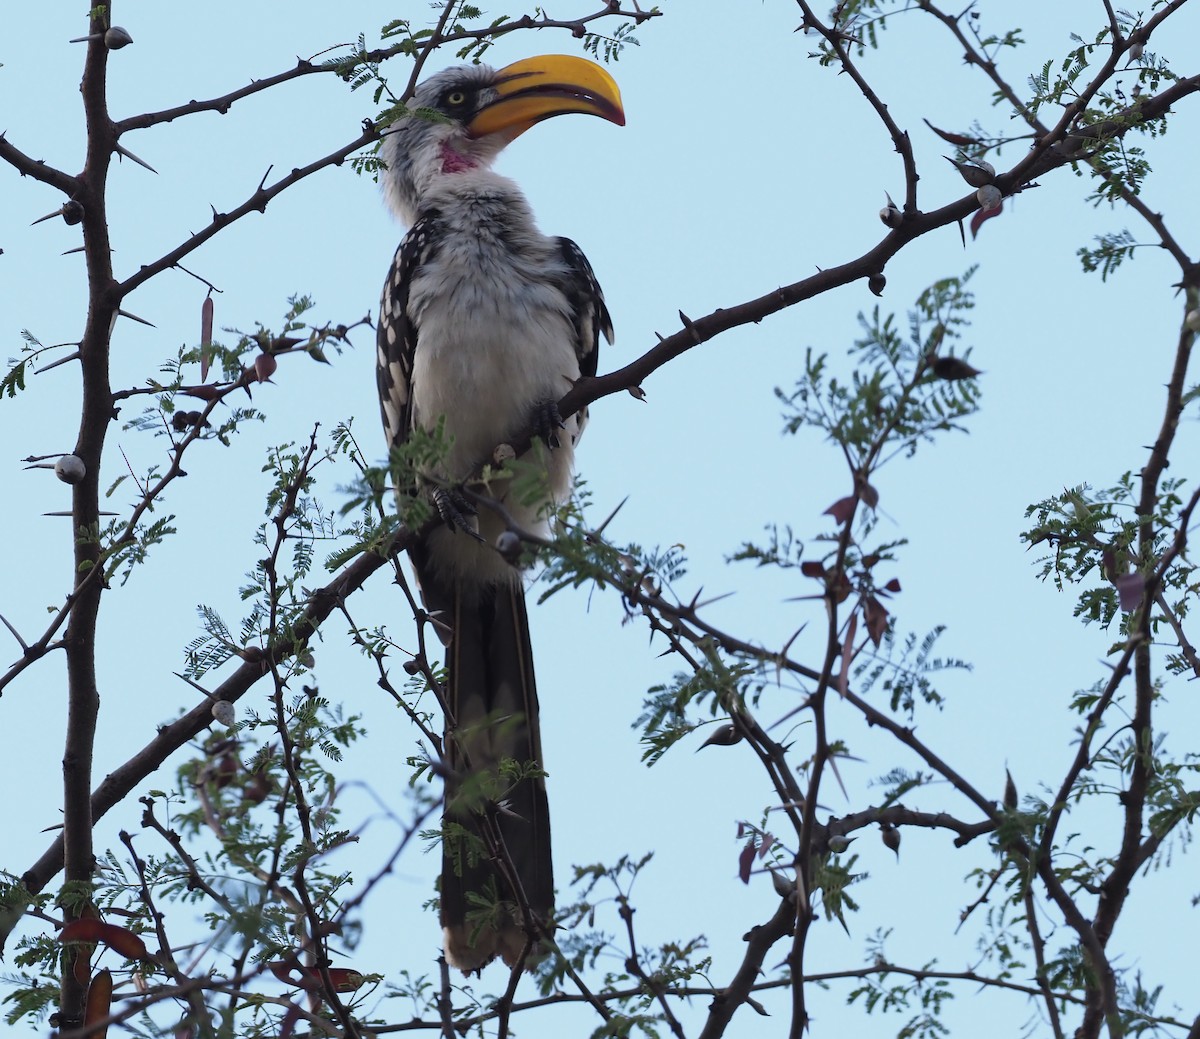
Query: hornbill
(484, 324)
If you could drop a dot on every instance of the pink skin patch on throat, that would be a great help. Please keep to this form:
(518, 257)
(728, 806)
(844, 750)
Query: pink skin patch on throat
(453, 162)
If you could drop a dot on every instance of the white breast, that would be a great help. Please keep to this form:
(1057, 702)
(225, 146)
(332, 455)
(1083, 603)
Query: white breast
(495, 339)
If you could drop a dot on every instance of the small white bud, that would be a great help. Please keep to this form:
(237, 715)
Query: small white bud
(70, 469)
(224, 712)
(890, 214)
(989, 197)
(1192, 321)
(509, 546)
(1135, 50)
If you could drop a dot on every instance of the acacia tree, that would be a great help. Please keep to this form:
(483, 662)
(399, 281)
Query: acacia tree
(245, 835)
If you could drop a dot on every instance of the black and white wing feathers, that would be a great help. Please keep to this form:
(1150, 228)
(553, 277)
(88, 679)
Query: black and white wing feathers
(396, 337)
(589, 311)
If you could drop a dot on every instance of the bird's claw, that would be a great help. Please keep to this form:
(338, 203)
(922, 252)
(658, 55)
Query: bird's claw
(455, 510)
(547, 421)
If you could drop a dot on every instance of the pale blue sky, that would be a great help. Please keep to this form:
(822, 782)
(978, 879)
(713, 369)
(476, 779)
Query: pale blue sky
(742, 166)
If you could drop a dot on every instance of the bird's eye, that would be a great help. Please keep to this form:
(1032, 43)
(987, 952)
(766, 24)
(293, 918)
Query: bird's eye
(456, 98)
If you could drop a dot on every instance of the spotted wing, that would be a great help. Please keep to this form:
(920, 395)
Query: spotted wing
(588, 309)
(396, 338)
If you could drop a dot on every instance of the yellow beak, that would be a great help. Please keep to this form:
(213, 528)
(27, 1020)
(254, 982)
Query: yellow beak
(538, 88)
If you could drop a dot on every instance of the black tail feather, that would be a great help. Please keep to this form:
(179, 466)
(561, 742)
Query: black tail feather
(496, 848)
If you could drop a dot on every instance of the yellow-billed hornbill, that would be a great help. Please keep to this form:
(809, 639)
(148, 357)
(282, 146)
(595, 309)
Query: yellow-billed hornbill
(484, 324)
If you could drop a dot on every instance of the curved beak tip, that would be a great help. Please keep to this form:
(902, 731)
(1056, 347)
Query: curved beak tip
(535, 89)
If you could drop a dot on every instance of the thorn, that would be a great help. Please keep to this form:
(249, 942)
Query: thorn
(49, 216)
(608, 519)
(15, 634)
(54, 364)
(77, 249)
(795, 635)
(133, 158)
(690, 325)
(88, 38)
(195, 685)
(709, 602)
(134, 317)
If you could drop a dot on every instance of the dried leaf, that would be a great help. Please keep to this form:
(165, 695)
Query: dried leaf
(282, 970)
(812, 568)
(745, 861)
(962, 140)
(1129, 590)
(876, 617)
(842, 509)
(984, 214)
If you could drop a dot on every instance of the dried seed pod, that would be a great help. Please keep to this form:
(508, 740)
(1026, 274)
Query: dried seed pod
(723, 736)
(891, 837)
(975, 172)
(72, 212)
(877, 283)
(785, 887)
(953, 368)
(70, 469)
(116, 38)
(989, 197)
(264, 366)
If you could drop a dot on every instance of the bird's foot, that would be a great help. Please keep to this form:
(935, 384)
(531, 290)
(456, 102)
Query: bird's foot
(546, 422)
(456, 511)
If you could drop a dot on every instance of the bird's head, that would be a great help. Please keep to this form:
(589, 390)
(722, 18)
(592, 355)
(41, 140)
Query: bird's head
(461, 118)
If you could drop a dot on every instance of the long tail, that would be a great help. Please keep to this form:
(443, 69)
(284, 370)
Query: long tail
(496, 821)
